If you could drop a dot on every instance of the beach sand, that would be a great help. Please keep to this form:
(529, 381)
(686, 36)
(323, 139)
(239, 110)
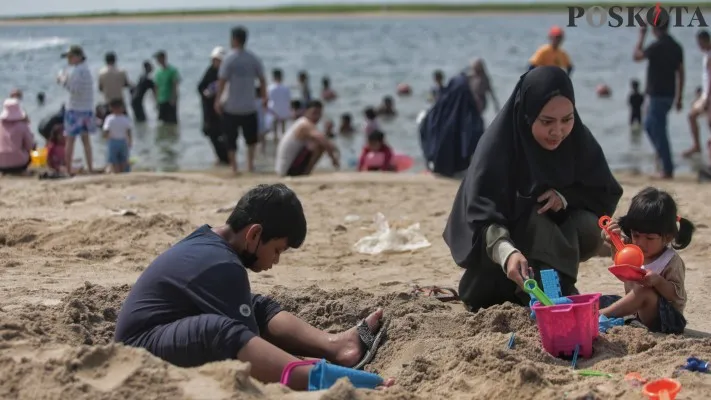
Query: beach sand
(68, 258)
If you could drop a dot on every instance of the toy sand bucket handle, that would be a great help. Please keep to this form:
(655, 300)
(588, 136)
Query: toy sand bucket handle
(603, 222)
(286, 373)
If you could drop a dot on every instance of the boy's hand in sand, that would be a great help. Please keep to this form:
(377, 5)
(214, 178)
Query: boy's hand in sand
(517, 268)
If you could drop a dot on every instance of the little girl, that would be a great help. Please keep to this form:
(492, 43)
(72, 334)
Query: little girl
(55, 150)
(658, 300)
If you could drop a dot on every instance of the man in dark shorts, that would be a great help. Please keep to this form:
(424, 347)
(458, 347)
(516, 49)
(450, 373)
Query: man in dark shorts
(193, 305)
(241, 68)
(665, 88)
(167, 80)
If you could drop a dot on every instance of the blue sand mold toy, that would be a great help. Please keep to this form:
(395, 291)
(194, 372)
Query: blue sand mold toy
(606, 323)
(324, 375)
(696, 365)
(551, 287)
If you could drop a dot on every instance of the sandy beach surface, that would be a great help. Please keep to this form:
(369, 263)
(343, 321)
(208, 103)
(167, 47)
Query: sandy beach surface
(68, 255)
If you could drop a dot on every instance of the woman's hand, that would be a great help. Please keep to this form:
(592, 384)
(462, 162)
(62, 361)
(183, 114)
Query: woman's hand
(614, 228)
(517, 268)
(551, 201)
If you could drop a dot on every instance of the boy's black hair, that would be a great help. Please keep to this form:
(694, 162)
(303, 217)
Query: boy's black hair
(277, 73)
(303, 75)
(703, 35)
(276, 208)
(634, 83)
(376, 136)
(110, 58)
(314, 104)
(239, 34)
(370, 113)
(654, 211)
(40, 96)
(326, 82)
(147, 65)
(116, 103)
(296, 104)
(346, 116)
(438, 74)
(388, 99)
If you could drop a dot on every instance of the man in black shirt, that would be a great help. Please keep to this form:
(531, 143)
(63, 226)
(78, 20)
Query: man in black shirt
(193, 304)
(665, 87)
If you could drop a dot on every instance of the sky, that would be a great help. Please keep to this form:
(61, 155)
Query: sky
(44, 7)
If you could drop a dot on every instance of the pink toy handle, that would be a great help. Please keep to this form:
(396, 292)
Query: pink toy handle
(286, 373)
(563, 309)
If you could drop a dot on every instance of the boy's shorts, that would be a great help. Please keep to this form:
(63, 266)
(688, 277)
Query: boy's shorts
(117, 151)
(77, 122)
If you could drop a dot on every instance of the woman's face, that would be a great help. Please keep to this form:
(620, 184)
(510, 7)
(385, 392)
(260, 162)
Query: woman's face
(554, 123)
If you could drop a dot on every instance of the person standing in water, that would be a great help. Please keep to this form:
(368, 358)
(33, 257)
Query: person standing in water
(79, 115)
(112, 81)
(665, 88)
(701, 107)
(145, 83)
(211, 121)
(480, 85)
(241, 68)
(167, 81)
(551, 54)
(635, 102)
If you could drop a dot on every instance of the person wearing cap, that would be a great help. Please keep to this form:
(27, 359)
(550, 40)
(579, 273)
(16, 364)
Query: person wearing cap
(211, 121)
(167, 80)
(241, 68)
(551, 54)
(112, 80)
(79, 114)
(16, 140)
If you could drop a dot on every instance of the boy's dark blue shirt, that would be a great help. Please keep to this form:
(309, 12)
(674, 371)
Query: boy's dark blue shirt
(201, 274)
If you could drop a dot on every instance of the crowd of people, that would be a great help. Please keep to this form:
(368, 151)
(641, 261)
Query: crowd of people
(530, 201)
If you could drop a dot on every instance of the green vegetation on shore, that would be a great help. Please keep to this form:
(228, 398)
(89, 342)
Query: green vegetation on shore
(341, 9)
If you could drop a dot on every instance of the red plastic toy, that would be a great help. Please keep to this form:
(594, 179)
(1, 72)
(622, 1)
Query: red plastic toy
(662, 389)
(565, 326)
(627, 254)
(627, 273)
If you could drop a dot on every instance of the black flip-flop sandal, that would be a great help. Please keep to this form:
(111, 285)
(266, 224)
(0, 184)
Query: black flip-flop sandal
(369, 342)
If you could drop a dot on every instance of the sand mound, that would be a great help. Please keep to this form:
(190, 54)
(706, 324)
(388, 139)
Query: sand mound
(432, 350)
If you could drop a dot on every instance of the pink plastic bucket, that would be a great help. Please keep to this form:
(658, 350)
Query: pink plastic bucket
(564, 326)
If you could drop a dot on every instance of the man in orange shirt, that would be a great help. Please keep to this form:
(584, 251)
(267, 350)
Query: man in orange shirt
(551, 54)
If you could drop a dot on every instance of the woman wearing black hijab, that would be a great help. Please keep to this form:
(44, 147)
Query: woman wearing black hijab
(211, 121)
(537, 184)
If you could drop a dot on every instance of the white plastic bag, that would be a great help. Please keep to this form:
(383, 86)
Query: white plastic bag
(387, 240)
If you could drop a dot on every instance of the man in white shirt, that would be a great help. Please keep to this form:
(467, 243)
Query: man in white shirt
(701, 104)
(279, 102)
(79, 114)
(112, 80)
(303, 145)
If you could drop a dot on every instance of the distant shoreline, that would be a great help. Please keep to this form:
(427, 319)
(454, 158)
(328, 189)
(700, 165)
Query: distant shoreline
(304, 12)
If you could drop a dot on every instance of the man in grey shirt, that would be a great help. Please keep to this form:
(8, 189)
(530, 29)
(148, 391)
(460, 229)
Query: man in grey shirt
(240, 69)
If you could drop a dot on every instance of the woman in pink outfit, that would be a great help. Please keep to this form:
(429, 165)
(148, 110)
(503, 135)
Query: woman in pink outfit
(16, 140)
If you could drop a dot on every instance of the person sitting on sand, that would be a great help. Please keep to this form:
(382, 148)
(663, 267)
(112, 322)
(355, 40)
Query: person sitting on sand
(387, 107)
(346, 127)
(193, 304)
(532, 196)
(376, 154)
(303, 145)
(16, 140)
(327, 94)
(658, 300)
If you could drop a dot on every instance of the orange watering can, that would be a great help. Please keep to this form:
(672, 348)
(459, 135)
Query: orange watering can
(627, 254)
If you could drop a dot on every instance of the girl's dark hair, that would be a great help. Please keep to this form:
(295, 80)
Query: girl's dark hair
(654, 211)
(370, 113)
